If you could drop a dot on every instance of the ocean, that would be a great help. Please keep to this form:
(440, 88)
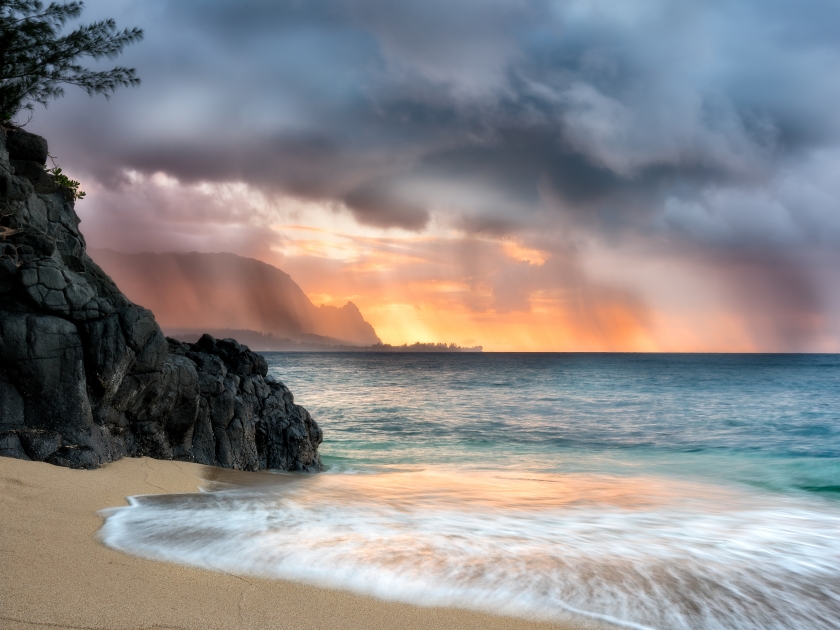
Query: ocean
(645, 491)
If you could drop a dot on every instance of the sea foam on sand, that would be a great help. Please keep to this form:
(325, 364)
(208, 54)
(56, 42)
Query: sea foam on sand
(638, 552)
(55, 573)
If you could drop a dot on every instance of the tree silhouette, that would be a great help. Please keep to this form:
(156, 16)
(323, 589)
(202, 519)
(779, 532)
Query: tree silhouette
(36, 61)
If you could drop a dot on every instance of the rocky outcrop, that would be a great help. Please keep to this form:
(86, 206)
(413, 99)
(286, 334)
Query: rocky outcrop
(87, 377)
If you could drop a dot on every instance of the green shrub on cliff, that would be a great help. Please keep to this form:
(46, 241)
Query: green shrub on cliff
(62, 180)
(35, 60)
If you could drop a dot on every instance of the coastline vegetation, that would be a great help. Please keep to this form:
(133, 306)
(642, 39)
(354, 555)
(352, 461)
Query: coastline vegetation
(70, 184)
(266, 342)
(36, 61)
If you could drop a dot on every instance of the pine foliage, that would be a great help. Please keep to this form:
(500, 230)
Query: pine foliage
(36, 61)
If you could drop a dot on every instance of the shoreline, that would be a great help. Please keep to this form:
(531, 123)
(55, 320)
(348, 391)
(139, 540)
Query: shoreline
(55, 572)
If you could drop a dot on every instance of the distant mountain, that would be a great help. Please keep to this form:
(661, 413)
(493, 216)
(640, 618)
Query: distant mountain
(200, 292)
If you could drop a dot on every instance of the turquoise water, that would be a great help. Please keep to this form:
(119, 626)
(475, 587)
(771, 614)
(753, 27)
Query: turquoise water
(739, 417)
(644, 491)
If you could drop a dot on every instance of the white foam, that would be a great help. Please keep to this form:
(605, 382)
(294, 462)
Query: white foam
(640, 553)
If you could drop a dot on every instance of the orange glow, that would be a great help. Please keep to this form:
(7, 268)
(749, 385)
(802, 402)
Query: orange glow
(408, 297)
(552, 290)
(427, 289)
(516, 251)
(440, 489)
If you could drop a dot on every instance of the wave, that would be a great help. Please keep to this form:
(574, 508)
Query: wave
(639, 552)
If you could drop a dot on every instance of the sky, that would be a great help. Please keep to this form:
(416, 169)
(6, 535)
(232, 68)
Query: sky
(643, 175)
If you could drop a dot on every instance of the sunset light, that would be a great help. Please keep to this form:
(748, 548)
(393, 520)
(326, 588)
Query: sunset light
(420, 314)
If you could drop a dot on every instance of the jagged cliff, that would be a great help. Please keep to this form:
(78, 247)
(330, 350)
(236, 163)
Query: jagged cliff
(87, 377)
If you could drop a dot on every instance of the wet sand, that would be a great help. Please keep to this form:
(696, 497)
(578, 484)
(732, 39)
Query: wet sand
(54, 572)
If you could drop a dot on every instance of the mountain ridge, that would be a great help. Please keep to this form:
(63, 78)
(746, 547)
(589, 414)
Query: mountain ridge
(198, 291)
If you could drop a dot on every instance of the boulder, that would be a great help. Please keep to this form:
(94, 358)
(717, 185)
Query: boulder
(23, 145)
(87, 377)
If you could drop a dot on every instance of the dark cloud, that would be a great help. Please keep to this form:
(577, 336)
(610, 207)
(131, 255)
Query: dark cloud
(375, 203)
(710, 124)
(324, 99)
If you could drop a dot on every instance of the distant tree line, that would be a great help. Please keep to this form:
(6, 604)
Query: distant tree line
(266, 342)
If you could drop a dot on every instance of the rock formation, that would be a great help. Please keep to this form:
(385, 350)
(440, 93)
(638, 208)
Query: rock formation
(87, 377)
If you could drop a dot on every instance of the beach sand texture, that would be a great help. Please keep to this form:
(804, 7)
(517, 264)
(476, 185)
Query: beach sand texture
(55, 573)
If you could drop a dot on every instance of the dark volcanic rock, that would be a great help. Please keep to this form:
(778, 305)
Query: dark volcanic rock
(43, 182)
(87, 377)
(23, 145)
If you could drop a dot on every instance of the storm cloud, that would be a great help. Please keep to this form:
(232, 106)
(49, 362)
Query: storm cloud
(704, 127)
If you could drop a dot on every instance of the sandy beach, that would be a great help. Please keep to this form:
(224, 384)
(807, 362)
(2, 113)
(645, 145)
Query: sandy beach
(55, 573)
